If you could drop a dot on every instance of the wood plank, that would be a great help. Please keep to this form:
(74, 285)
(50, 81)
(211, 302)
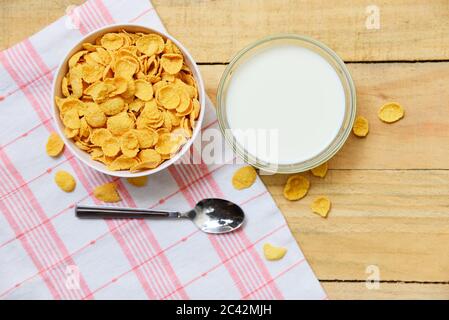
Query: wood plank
(338, 290)
(22, 18)
(216, 30)
(395, 220)
(419, 141)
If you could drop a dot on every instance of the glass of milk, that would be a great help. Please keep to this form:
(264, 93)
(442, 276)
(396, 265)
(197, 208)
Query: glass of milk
(286, 103)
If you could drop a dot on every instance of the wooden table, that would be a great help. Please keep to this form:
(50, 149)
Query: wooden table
(390, 191)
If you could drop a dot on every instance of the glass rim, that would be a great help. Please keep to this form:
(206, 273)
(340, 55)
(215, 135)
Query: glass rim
(350, 105)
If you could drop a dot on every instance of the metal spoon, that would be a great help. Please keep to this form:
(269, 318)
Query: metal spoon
(210, 215)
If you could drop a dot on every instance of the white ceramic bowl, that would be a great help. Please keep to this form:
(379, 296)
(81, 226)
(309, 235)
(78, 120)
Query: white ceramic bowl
(56, 91)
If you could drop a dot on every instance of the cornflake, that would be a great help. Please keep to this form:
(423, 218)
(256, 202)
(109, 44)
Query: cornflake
(55, 145)
(273, 253)
(111, 147)
(320, 171)
(321, 205)
(107, 193)
(361, 127)
(296, 187)
(129, 100)
(138, 181)
(172, 62)
(65, 181)
(391, 112)
(244, 178)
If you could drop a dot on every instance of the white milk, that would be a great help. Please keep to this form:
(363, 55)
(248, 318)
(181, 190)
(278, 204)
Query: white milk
(292, 91)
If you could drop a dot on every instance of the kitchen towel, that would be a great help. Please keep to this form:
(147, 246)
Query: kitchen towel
(47, 253)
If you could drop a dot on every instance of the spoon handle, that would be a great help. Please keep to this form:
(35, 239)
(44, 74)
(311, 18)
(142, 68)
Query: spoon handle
(83, 211)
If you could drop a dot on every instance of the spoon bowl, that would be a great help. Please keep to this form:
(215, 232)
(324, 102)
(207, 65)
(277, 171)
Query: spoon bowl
(209, 215)
(217, 215)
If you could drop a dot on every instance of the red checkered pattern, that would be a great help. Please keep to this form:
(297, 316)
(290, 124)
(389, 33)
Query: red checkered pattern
(46, 253)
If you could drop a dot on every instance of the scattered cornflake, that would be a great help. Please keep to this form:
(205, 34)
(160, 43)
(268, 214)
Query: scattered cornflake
(138, 181)
(361, 126)
(55, 145)
(391, 112)
(244, 178)
(273, 253)
(320, 171)
(296, 187)
(65, 181)
(107, 193)
(321, 205)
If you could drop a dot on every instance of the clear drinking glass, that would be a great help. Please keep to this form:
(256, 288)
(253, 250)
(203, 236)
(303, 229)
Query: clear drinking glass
(331, 57)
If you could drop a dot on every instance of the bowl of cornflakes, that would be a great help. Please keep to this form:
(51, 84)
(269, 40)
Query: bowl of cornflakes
(128, 100)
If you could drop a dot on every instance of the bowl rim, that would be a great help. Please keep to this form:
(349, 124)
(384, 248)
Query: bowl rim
(98, 166)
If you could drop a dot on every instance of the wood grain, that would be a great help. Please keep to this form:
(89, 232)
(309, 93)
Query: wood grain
(419, 141)
(358, 291)
(389, 208)
(216, 30)
(20, 19)
(395, 220)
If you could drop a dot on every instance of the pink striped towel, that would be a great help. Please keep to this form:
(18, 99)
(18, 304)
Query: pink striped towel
(46, 253)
